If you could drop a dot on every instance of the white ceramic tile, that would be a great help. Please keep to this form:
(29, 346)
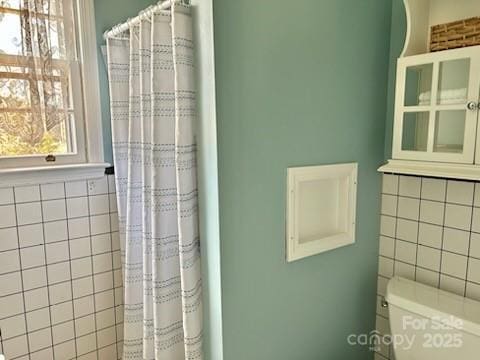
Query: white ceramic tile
(390, 184)
(80, 248)
(114, 222)
(85, 325)
(55, 231)
(409, 186)
(13, 326)
(389, 205)
(408, 208)
(117, 277)
(81, 267)
(30, 235)
(387, 246)
(36, 299)
(406, 252)
(103, 281)
(27, 194)
(58, 272)
(34, 278)
(431, 212)
(105, 318)
(40, 339)
(476, 198)
(115, 240)
(76, 188)
(119, 296)
(385, 267)
(433, 189)
(404, 270)
(454, 265)
(7, 216)
(32, 256)
(98, 186)
(111, 183)
(8, 239)
(380, 310)
(9, 261)
(29, 213)
(52, 191)
(79, 227)
(61, 312)
(475, 245)
(63, 332)
(117, 259)
(45, 354)
(108, 352)
(430, 235)
(458, 216)
(99, 204)
(102, 263)
(11, 305)
(65, 350)
(100, 224)
(106, 337)
(82, 287)
(15, 347)
(60, 292)
(101, 243)
(57, 252)
(104, 300)
(460, 192)
(38, 319)
(77, 207)
(473, 291)
(452, 284)
(427, 277)
(90, 356)
(6, 196)
(119, 311)
(429, 258)
(86, 344)
(474, 270)
(456, 241)
(113, 203)
(476, 219)
(83, 306)
(407, 230)
(54, 210)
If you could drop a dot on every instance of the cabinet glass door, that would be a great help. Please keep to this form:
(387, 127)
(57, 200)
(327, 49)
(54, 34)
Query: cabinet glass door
(434, 117)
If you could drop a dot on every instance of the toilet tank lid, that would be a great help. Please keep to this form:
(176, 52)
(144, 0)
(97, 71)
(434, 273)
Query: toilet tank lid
(436, 304)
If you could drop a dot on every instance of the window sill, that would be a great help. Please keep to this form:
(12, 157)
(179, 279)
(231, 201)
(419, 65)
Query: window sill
(51, 174)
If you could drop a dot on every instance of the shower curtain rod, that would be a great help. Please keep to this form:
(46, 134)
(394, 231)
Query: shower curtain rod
(142, 15)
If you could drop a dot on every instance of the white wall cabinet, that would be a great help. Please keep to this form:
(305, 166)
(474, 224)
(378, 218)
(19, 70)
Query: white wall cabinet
(436, 107)
(436, 129)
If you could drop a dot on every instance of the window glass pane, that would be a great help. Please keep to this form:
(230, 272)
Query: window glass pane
(449, 131)
(11, 34)
(21, 133)
(10, 4)
(453, 82)
(415, 131)
(418, 85)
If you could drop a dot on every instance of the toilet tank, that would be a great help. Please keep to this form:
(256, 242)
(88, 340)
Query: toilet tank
(429, 323)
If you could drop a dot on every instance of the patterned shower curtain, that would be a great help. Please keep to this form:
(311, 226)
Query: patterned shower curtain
(153, 111)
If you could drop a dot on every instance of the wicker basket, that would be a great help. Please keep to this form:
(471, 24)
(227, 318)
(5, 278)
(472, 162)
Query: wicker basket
(456, 34)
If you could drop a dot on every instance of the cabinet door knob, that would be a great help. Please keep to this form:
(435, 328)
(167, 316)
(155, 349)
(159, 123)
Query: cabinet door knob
(472, 105)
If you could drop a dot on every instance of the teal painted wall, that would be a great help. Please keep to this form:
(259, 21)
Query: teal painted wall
(298, 83)
(397, 39)
(107, 14)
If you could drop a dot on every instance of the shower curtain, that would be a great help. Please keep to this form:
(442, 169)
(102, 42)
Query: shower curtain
(153, 111)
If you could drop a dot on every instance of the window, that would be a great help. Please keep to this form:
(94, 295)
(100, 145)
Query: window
(47, 51)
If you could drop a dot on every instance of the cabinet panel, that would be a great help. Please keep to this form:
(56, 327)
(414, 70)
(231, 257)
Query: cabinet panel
(432, 121)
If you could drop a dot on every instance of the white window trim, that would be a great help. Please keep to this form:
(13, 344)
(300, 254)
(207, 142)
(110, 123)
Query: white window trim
(94, 166)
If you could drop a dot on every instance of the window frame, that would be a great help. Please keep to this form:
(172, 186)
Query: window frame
(86, 105)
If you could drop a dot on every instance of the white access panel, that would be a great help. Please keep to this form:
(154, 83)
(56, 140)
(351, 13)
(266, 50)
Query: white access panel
(321, 206)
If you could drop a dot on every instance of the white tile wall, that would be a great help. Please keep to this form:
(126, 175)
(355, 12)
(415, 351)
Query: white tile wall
(61, 294)
(430, 232)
